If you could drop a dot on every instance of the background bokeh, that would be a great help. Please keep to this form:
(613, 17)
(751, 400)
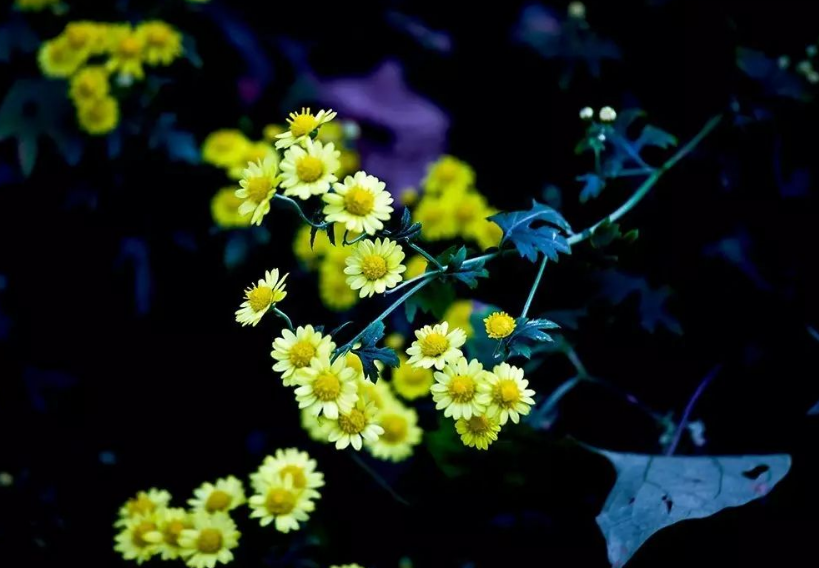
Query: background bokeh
(121, 365)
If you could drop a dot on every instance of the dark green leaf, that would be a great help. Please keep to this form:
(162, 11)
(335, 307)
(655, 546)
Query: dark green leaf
(653, 492)
(605, 234)
(538, 230)
(434, 298)
(653, 136)
(592, 186)
(406, 231)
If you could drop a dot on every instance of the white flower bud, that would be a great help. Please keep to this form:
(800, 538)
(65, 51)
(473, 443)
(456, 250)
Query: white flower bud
(608, 114)
(577, 10)
(586, 113)
(783, 62)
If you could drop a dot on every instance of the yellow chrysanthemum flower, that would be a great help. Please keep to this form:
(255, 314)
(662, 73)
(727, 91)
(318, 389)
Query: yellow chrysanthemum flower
(310, 170)
(436, 217)
(224, 209)
(90, 38)
(163, 43)
(293, 351)
(505, 394)
(140, 538)
(355, 426)
(395, 340)
(58, 59)
(457, 389)
(272, 130)
(290, 462)
(378, 393)
(127, 52)
(331, 132)
(35, 5)
(99, 116)
(408, 197)
(374, 266)
(327, 388)
(209, 541)
(224, 495)
(499, 325)
(254, 152)
(171, 522)
(486, 233)
(143, 503)
(411, 382)
(224, 148)
(401, 433)
(436, 346)
(478, 431)
(458, 314)
(416, 266)
(283, 504)
(257, 188)
(361, 204)
(261, 297)
(448, 173)
(301, 125)
(89, 84)
(315, 427)
(334, 291)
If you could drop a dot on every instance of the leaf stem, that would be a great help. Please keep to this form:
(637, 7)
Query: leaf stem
(534, 288)
(378, 479)
(286, 319)
(360, 237)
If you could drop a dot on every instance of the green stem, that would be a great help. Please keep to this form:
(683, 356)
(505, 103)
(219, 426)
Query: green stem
(297, 207)
(649, 183)
(286, 319)
(431, 259)
(535, 285)
(360, 237)
(412, 281)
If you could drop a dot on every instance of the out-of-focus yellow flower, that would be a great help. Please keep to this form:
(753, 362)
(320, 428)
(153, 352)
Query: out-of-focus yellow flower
(58, 59)
(315, 427)
(298, 465)
(281, 503)
(377, 393)
(225, 148)
(487, 233)
(89, 84)
(334, 292)
(458, 314)
(35, 5)
(448, 173)
(408, 197)
(224, 208)
(349, 161)
(468, 208)
(401, 433)
(254, 152)
(416, 266)
(98, 116)
(272, 130)
(310, 256)
(411, 382)
(355, 427)
(88, 38)
(127, 52)
(436, 217)
(163, 43)
(331, 132)
(394, 341)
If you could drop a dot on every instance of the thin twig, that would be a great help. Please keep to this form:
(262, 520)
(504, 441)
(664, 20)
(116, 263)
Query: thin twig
(378, 479)
(689, 408)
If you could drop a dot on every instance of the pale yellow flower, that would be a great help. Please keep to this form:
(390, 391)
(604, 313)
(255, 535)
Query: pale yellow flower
(374, 266)
(401, 433)
(499, 325)
(294, 351)
(505, 393)
(478, 431)
(209, 541)
(457, 389)
(355, 426)
(327, 388)
(310, 170)
(411, 382)
(436, 346)
(301, 125)
(224, 495)
(361, 204)
(257, 188)
(261, 297)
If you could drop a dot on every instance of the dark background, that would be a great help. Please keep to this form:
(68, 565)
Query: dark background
(179, 393)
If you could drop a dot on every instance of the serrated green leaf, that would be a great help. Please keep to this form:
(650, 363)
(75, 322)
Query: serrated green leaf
(539, 230)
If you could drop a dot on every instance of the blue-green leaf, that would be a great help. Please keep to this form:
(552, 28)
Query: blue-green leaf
(528, 332)
(434, 298)
(368, 353)
(593, 184)
(653, 492)
(538, 230)
(653, 136)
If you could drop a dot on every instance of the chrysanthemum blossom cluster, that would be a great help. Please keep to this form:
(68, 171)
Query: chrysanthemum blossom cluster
(204, 534)
(451, 207)
(92, 54)
(478, 400)
(339, 404)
